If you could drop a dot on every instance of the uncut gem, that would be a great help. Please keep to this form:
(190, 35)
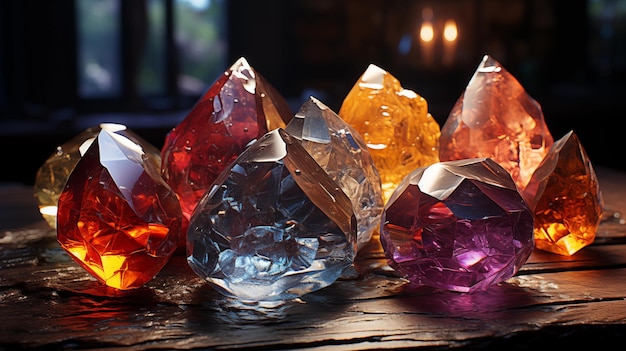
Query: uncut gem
(238, 107)
(457, 225)
(396, 126)
(342, 153)
(53, 173)
(274, 226)
(496, 118)
(117, 217)
(564, 193)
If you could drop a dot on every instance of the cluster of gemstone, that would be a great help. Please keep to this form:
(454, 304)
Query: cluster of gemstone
(270, 205)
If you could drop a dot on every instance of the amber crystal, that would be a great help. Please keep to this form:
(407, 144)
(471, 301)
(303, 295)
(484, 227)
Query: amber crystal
(457, 225)
(117, 217)
(342, 153)
(238, 107)
(496, 118)
(564, 194)
(274, 226)
(398, 130)
(53, 173)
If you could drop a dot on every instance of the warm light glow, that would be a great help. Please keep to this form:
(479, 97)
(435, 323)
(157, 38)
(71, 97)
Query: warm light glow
(427, 33)
(450, 32)
(427, 13)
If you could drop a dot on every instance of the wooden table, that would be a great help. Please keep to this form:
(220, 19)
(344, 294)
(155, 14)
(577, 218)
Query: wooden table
(49, 302)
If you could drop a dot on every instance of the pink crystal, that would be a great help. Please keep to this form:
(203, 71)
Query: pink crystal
(457, 225)
(496, 118)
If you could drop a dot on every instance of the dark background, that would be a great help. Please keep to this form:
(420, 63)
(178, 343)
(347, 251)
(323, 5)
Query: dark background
(569, 59)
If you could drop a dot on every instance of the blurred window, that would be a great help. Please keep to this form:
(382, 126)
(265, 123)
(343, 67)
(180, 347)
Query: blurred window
(146, 50)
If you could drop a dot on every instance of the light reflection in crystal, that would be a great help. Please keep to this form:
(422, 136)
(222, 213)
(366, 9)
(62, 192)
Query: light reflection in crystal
(265, 233)
(341, 151)
(464, 228)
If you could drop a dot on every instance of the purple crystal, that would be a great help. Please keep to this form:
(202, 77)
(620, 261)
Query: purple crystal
(274, 226)
(457, 225)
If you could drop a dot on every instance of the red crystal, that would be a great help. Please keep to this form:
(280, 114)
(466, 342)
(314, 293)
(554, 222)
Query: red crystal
(239, 107)
(117, 217)
(565, 195)
(496, 118)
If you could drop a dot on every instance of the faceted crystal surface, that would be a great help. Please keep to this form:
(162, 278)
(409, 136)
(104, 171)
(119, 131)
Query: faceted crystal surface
(53, 173)
(565, 195)
(341, 152)
(398, 130)
(239, 107)
(117, 217)
(457, 225)
(274, 226)
(496, 118)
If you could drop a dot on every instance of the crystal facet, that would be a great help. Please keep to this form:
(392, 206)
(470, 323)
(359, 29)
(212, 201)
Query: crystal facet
(274, 226)
(53, 173)
(239, 107)
(457, 225)
(395, 123)
(496, 118)
(564, 194)
(342, 153)
(117, 217)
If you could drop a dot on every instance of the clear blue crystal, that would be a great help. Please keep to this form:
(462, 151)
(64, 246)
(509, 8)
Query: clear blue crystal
(274, 226)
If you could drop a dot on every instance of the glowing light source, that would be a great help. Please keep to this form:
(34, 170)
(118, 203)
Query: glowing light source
(450, 32)
(427, 33)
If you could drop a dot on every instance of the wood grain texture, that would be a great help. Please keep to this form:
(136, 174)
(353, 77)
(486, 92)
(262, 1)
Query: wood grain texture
(49, 302)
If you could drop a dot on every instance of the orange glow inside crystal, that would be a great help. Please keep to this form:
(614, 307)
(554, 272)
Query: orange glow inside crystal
(565, 196)
(117, 218)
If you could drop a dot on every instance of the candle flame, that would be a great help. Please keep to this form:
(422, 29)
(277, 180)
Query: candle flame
(450, 31)
(427, 33)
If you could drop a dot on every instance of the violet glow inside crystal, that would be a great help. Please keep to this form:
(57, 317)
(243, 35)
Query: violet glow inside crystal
(457, 225)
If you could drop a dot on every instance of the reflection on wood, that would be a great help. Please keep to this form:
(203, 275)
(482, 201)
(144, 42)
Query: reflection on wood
(47, 301)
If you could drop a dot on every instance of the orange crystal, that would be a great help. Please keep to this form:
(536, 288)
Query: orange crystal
(565, 197)
(496, 118)
(53, 173)
(400, 133)
(117, 217)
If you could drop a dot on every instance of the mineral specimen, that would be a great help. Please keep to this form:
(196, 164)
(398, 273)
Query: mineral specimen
(274, 226)
(496, 118)
(457, 225)
(342, 153)
(396, 126)
(565, 196)
(117, 217)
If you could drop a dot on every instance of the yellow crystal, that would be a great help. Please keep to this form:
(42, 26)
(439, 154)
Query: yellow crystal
(400, 133)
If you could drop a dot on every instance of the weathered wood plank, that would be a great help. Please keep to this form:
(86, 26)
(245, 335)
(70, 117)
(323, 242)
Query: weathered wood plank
(48, 301)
